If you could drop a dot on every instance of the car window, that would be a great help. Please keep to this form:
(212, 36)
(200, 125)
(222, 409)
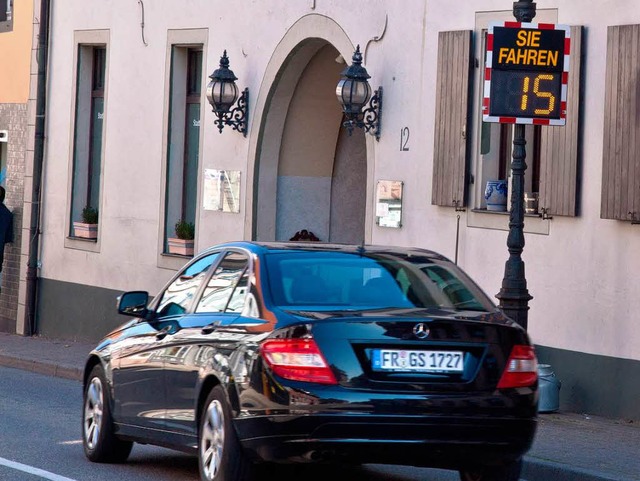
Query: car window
(175, 300)
(238, 297)
(221, 289)
(334, 279)
(456, 292)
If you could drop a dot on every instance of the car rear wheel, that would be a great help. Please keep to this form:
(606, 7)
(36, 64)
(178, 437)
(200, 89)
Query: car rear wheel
(509, 472)
(98, 439)
(220, 455)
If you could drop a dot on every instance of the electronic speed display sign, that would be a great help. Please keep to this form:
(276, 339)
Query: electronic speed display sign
(526, 73)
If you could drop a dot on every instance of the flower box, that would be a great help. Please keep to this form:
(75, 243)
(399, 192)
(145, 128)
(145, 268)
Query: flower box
(86, 231)
(182, 247)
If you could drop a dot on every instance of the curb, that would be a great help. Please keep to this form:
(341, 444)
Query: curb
(535, 469)
(42, 367)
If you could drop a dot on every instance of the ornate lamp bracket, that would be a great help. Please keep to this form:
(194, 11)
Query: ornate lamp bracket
(236, 118)
(369, 118)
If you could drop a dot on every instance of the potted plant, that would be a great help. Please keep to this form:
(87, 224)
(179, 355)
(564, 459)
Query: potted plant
(182, 243)
(88, 228)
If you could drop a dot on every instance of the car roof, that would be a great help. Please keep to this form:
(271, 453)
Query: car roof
(259, 247)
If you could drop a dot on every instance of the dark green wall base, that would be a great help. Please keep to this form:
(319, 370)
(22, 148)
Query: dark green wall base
(598, 385)
(591, 384)
(74, 311)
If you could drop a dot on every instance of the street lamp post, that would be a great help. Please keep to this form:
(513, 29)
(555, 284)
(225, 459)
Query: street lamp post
(514, 296)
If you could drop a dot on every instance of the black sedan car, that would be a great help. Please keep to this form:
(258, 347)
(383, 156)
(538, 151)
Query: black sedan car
(306, 353)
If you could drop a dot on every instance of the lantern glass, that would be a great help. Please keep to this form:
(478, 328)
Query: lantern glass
(222, 95)
(353, 94)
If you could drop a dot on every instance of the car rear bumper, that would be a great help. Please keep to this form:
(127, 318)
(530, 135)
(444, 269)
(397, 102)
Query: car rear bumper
(448, 442)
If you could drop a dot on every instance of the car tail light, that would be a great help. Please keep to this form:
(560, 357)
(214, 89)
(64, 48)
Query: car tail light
(298, 360)
(521, 369)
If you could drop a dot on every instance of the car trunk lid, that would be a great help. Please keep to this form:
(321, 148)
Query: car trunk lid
(414, 350)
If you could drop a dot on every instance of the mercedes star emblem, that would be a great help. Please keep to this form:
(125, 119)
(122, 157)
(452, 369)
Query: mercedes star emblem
(421, 331)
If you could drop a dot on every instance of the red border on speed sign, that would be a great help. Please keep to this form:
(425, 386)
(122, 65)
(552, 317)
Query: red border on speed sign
(526, 73)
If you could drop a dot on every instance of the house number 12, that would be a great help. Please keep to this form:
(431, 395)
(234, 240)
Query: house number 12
(404, 139)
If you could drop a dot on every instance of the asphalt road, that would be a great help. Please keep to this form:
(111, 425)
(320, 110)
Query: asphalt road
(40, 440)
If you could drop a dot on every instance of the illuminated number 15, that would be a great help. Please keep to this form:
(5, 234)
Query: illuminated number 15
(541, 94)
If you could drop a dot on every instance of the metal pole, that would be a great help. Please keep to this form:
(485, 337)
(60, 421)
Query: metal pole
(514, 296)
(457, 237)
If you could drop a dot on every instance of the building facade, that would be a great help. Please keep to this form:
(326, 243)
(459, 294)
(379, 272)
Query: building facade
(132, 150)
(19, 50)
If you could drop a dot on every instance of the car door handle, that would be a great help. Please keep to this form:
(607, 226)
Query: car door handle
(163, 333)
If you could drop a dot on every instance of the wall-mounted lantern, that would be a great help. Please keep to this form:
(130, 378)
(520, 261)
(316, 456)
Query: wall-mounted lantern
(354, 92)
(222, 93)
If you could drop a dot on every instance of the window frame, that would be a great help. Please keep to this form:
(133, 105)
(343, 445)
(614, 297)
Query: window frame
(86, 39)
(196, 39)
(501, 165)
(477, 216)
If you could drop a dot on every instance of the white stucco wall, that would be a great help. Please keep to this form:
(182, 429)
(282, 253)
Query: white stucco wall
(582, 271)
(583, 275)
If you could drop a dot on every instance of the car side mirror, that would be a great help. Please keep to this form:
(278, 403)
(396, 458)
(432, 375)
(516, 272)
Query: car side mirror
(134, 304)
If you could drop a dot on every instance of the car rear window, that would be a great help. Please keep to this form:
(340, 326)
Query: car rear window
(340, 280)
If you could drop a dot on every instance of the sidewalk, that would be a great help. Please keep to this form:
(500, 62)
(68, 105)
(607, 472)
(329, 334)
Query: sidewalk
(568, 446)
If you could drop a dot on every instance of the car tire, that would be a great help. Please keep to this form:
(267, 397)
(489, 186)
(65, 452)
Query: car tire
(99, 441)
(220, 455)
(509, 472)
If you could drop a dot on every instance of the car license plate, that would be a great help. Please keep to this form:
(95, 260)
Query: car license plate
(417, 361)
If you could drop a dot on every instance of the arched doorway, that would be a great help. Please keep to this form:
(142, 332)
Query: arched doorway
(308, 172)
(321, 170)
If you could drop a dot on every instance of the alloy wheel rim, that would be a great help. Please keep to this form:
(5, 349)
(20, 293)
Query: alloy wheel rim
(93, 409)
(212, 440)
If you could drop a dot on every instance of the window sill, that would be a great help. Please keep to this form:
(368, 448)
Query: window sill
(179, 256)
(172, 261)
(503, 212)
(488, 219)
(82, 243)
(83, 239)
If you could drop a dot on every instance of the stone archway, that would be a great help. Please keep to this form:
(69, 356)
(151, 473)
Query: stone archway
(320, 170)
(307, 173)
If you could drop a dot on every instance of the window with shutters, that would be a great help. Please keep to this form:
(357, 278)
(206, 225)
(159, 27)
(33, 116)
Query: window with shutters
(6, 15)
(621, 149)
(552, 152)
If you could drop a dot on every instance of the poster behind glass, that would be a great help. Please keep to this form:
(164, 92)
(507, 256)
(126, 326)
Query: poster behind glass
(389, 203)
(221, 190)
